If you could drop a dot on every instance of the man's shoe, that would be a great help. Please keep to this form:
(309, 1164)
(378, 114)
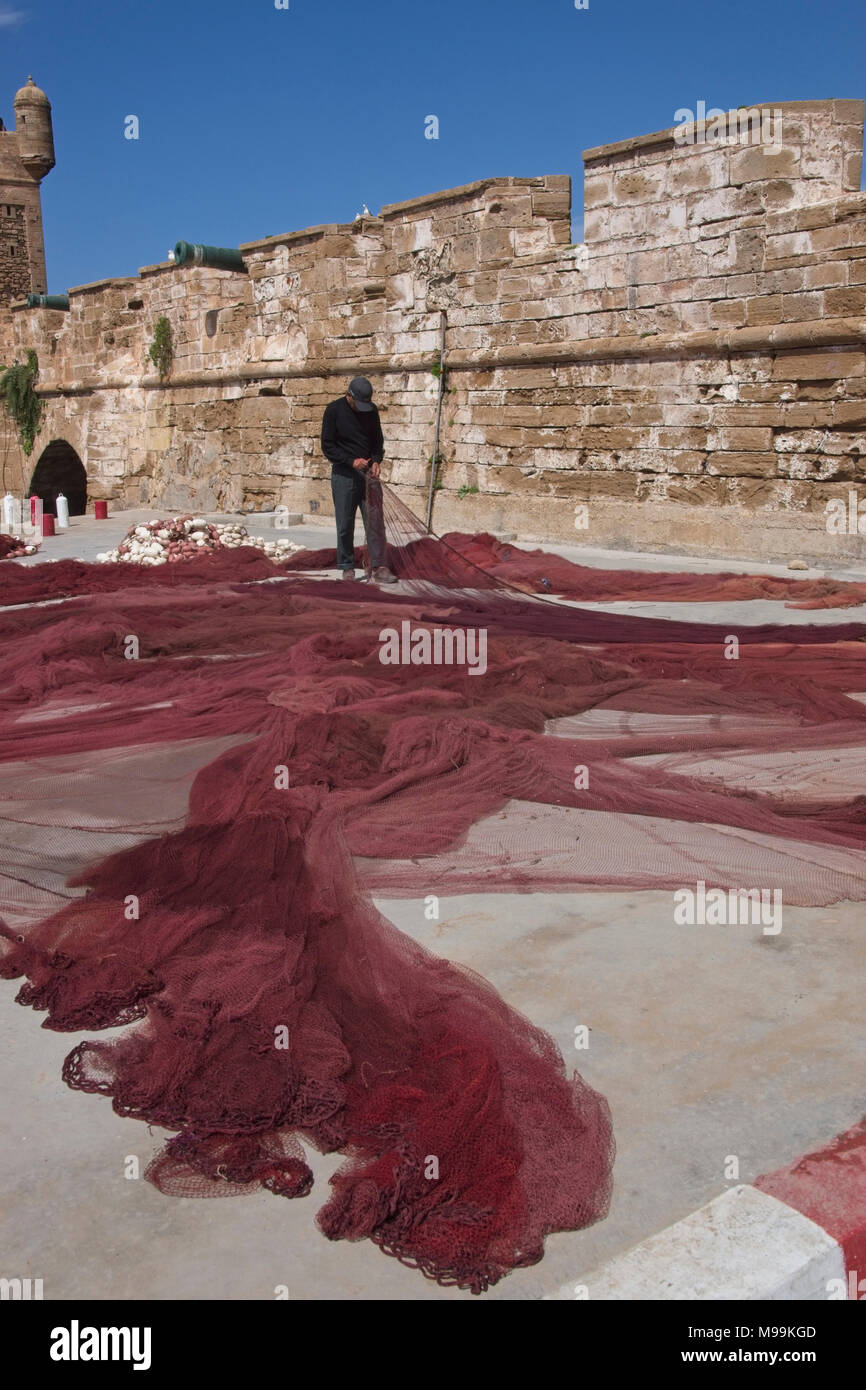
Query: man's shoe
(383, 575)
(348, 574)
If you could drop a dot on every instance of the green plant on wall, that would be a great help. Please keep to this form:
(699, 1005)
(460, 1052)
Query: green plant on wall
(438, 370)
(161, 350)
(437, 481)
(21, 401)
(465, 490)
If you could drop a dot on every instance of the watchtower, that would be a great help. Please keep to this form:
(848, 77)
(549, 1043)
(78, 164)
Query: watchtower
(26, 156)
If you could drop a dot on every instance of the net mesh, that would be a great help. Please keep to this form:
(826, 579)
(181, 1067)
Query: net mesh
(207, 770)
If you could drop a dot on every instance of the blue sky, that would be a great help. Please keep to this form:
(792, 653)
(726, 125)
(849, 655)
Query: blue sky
(256, 120)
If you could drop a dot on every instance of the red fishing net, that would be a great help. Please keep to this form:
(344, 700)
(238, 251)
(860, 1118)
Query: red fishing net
(205, 772)
(12, 547)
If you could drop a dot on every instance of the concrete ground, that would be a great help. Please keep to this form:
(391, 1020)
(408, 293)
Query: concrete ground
(711, 1044)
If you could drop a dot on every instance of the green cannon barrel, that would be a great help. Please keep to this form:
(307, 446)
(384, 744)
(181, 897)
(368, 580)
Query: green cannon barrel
(48, 301)
(219, 257)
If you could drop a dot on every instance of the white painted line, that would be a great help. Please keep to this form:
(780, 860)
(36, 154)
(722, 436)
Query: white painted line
(742, 1246)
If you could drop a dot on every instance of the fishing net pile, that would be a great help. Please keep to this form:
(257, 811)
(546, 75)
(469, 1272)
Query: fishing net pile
(206, 773)
(12, 547)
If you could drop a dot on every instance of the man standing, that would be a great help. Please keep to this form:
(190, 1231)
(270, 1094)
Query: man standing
(352, 441)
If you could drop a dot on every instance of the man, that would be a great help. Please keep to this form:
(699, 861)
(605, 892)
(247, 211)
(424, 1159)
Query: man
(352, 442)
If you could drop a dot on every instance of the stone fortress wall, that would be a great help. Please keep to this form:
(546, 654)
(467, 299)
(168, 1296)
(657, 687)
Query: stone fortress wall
(692, 377)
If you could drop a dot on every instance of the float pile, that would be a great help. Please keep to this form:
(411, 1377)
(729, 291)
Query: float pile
(184, 537)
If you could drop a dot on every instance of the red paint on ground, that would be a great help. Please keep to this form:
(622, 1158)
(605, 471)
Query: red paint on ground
(829, 1186)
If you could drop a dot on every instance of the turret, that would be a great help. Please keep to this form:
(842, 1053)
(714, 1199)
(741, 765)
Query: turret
(33, 129)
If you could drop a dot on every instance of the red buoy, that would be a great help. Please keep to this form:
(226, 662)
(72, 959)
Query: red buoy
(100, 510)
(47, 524)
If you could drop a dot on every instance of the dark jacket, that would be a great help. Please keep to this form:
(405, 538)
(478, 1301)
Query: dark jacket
(348, 435)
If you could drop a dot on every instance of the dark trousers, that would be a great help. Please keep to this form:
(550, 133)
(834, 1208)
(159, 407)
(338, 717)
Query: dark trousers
(349, 494)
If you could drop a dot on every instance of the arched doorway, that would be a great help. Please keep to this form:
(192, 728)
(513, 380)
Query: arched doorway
(60, 470)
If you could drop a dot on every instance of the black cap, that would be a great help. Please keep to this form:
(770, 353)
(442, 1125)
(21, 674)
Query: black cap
(361, 392)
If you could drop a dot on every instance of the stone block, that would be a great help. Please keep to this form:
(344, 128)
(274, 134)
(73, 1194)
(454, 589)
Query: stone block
(527, 242)
(682, 438)
(788, 245)
(496, 245)
(829, 365)
(692, 175)
(845, 303)
(750, 493)
(780, 193)
(850, 413)
(829, 274)
(760, 163)
(466, 252)
(696, 491)
(852, 171)
(747, 465)
(597, 190)
(799, 307)
(728, 313)
(791, 280)
(638, 185)
(764, 309)
(551, 203)
(740, 439)
(831, 238)
(723, 204)
(594, 437)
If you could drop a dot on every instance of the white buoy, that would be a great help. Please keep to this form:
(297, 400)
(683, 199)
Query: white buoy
(8, 512)
(62, 510)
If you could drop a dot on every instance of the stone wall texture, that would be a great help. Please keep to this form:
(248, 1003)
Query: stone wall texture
(692, 377)
(15, 274)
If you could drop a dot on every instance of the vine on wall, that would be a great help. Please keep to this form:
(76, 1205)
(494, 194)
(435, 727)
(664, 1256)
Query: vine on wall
(20, 400)
(161, 350)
